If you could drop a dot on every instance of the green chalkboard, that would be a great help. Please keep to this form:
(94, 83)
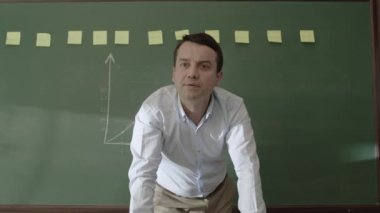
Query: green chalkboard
(66, 114)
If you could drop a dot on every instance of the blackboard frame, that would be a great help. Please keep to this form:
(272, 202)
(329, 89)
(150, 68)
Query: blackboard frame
(375, 18)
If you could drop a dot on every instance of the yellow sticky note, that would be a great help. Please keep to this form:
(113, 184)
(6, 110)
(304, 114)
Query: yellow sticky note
(122, 37)
(307, 36)
(155, 37)
(99, 37)
(13, 38)
(180, 33)
(214, 34)
(74, 37)
(274, 36)
(43, 40)
(242, 36)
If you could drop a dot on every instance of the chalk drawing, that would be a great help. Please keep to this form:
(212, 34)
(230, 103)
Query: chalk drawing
(107, 138)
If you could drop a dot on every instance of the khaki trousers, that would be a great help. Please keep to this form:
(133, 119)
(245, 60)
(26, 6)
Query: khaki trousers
(219, 201)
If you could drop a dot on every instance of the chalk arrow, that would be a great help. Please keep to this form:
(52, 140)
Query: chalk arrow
(110, 59)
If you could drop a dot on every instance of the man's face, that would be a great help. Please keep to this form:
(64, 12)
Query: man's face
(195, 72)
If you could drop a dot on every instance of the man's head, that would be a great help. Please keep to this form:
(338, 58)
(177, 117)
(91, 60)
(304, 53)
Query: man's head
(197, 68)
(202, 39)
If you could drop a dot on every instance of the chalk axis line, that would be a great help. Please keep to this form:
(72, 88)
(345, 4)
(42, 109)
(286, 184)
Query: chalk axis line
(112, 140)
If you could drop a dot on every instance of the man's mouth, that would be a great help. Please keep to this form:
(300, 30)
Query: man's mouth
(192, 85)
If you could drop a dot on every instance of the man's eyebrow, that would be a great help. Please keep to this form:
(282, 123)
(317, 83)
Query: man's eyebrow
(204, 62)
(183, 59)
(198, 62)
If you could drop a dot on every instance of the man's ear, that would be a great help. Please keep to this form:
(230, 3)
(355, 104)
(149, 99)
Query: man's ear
(219, 76)
(173, 74)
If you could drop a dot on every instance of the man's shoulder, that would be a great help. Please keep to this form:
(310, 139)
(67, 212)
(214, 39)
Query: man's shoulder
(228, 100)
(163, 95)
(226, 96)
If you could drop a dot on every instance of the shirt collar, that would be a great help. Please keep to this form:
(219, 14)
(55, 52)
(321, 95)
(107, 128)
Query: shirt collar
(207, 114)
(181, 110)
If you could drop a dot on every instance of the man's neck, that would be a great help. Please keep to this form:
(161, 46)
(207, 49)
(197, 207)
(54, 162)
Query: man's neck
(195, 109)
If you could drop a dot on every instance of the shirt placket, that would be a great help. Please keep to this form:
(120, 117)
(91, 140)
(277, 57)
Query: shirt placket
(197, 143)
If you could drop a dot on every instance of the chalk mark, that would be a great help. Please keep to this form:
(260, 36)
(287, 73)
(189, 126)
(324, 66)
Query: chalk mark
(111, 60)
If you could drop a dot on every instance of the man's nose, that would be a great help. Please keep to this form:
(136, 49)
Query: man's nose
(193, 72)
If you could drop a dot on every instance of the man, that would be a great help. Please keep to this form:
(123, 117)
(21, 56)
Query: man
(181, 133)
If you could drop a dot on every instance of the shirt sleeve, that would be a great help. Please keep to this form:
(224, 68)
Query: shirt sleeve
(146, 146)
(242, 150)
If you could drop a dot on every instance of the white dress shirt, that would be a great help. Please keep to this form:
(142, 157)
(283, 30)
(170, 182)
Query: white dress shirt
(188, 160)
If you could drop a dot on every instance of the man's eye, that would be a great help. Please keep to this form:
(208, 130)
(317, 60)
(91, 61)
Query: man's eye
(184, 65)
(205, 67)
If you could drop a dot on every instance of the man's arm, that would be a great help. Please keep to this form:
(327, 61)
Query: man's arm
(242, 150)
(146, 146)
